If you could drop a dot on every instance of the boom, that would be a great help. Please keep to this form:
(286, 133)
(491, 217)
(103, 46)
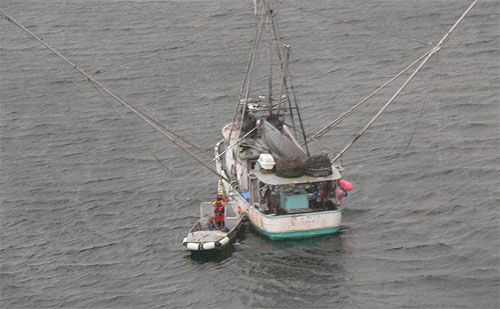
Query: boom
(146, 118)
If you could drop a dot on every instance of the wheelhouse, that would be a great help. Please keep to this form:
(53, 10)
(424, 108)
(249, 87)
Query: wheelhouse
(275, 195)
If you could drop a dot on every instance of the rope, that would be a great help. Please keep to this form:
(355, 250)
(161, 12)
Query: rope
(235, 143)
(422, 108)
(163, 165)
(98, 90)
(149, 120)
(389, 33)
(349, 111)
(297, 110)
(436, 49)
(154, 50)
(167, 129)
(248, 76)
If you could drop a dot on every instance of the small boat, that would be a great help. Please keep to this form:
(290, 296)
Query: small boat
(205, 236)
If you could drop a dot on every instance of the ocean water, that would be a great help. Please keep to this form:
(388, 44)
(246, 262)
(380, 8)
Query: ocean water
(95, 204)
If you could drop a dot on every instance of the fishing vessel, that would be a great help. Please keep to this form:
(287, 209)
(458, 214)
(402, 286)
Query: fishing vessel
(264, 158)
(286, 192)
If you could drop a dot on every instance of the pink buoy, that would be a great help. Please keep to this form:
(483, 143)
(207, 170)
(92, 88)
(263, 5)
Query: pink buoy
(345, 185)
(339, 194)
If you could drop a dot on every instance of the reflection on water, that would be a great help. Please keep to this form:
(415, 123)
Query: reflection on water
(303, 242)
(297, 273)
(212, 255)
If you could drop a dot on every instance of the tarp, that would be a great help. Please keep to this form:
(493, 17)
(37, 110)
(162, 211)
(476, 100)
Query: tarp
(281, 145)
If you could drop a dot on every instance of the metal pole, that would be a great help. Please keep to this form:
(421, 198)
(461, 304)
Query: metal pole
(252, 64)
(270, 13)
(284, 66)
(247, 73)
(236, 143)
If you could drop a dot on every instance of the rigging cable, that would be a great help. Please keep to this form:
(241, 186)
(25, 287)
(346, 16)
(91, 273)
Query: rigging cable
(162, 164)
(284, 64)
(167, 129)
(154, 50)
(340, 118)
(422, 108)
(436, 49)
(297, 110)
(235, 143)
(103, 98)
(248, 76)
(389, 33)
(152, 122)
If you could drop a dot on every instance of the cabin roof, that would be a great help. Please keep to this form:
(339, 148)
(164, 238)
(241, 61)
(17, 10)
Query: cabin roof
(273, 179)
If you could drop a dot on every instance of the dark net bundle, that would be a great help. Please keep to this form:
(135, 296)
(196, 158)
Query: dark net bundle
(318, 166)
(290, 168)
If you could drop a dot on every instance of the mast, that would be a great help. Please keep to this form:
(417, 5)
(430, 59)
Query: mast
(269, 16)
(248, 76)
(279, 111)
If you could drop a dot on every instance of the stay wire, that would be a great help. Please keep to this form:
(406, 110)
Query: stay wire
(165, 128)
(159, 124)
(423, 106)
(417, 123)
(104, 99)
(146, 118)
(435, 50)
(156, 49)
(344, 115)
(388, 33)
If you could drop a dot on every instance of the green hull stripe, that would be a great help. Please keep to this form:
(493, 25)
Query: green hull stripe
(297, 235)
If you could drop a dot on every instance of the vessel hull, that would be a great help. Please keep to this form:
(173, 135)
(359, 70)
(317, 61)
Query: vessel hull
(281, 227)
(296, 235)
(293, 226)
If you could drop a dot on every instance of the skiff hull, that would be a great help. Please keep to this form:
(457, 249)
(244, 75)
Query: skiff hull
(204, 237)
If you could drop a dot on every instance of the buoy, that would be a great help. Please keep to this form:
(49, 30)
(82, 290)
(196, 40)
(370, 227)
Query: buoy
(266, 161)
(345, 185)
(339, 194)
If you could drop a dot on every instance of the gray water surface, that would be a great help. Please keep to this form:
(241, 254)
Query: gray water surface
(90, 218)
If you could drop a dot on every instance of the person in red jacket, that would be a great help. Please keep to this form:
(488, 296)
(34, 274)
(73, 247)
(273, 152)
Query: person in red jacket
(219, 203)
